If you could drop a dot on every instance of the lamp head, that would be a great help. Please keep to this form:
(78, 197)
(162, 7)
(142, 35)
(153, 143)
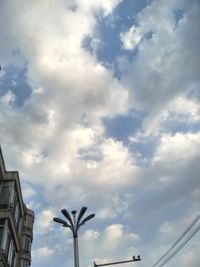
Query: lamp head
(88, 218)
(73, 212)
(66, 214)
(58, 220)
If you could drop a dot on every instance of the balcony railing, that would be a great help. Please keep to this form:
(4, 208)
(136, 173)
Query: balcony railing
(5, 205)
(4, 258)
(25, 252)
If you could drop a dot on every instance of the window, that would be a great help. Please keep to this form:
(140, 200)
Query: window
(27, 244)
(6, 192)
(8, 246)
(24, 263)
(16, 211)
(7, 243)
(29, 221)
(2, 223)
(11, 254)
(13, 259)
(2, 237)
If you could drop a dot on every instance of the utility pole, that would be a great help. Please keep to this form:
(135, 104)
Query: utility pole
(118, 262)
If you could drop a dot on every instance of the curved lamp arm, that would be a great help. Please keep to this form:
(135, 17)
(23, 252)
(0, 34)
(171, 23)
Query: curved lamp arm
(81, 213)
(66, 214)
(85, 220)
(58, 220)
(88, 218)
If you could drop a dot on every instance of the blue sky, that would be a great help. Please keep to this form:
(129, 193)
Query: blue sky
(99, 107)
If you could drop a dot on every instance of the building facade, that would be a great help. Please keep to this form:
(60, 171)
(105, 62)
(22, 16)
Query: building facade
(16, 221)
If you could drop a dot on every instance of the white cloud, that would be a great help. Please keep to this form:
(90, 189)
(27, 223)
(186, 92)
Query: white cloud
(116, 162)
(190, 259)
(178, 110)
(43, 221)
(105, 5)
(7, 100)
(90, 235)
(42, 252)
(112, 236)
(166, 67)
(75, 90)
(131, 38)
(106, 213)
(71, 93)
(166, 227)
(28, 191)
(177, 150)
(189, 109)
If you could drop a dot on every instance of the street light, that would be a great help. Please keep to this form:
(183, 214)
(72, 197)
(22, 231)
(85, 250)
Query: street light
(74, 224)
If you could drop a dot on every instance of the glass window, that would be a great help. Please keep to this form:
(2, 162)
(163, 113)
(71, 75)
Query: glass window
(8, 247)
(6, 192)
(29, 221)
(1, 235)
(16, 211)
(11, 253)
(27, 244)
(13, 259)
(2, 223)
(7, 243)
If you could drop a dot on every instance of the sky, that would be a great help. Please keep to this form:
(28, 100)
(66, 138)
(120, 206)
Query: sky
(100, 107)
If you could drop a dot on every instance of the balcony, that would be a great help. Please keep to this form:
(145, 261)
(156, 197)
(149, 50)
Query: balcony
(27, 231)
(3, 259)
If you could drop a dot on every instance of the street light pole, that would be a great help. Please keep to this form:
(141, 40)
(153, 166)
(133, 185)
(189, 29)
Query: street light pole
(74, 224)
(76, 254)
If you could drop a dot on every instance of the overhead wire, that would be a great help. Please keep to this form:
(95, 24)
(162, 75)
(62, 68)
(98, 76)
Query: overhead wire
(181, 246)
(177, 241)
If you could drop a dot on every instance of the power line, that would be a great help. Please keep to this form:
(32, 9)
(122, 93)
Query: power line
(177, 241)
(181, 246)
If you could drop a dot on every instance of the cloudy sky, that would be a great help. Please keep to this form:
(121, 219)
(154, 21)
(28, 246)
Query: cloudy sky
(100, 107)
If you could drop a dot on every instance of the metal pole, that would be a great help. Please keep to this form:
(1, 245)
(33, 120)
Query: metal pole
(76, 256)
(75, 265)
(118, 262)
(77, 252)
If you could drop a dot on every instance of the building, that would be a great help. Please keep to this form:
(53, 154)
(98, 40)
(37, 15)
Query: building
(16, 221)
